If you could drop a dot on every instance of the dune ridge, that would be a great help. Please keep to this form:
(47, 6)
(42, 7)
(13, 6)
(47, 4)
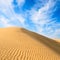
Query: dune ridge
(21, 44)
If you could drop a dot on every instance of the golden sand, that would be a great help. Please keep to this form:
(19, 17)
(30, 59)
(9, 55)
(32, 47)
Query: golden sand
(21, 44)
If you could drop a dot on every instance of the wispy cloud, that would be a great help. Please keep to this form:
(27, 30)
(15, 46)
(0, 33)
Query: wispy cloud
(44, 14)
(6, 9)
(43, 20)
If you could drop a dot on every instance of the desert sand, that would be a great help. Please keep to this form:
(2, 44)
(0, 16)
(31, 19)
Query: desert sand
(21, 44)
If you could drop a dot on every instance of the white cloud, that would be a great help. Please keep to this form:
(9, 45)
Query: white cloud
(20, 2)
(4, 22)
(55, 34)
(6, 8)
(43, 17)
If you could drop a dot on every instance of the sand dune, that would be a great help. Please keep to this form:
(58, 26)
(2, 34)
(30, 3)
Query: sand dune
(21, 44)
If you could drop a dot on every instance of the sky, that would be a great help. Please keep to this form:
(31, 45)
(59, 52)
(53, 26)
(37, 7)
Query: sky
(40, 16)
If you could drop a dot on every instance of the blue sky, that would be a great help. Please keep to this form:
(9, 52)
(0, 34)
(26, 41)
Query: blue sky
(39, 16)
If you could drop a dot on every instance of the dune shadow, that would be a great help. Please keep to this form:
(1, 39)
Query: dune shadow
(52, 44)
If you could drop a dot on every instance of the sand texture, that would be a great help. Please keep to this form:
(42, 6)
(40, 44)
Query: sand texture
(21, 44)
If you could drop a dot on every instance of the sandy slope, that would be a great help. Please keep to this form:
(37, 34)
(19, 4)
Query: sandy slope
(21, 44)
(58, 40)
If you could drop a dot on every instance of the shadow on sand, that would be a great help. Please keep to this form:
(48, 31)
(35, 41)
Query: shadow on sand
(52, 44)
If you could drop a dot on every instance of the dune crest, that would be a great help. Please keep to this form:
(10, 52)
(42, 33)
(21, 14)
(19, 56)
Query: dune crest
(21, 44)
